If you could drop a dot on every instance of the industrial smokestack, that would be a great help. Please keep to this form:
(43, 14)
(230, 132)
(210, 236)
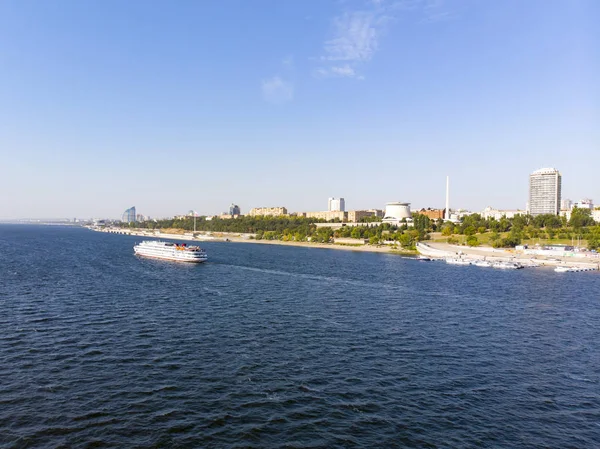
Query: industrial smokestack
(447, 217)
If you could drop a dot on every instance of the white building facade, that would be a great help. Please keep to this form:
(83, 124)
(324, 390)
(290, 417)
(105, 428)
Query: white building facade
(585, 204)
(566, 204)
(395, 212)
(490, 212)
(268, 211)
(336, 205)
(545, 187)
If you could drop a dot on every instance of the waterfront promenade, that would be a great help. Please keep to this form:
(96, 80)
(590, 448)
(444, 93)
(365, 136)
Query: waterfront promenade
(245, 238)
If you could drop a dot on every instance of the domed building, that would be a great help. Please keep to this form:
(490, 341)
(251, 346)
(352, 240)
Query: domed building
(395, 212)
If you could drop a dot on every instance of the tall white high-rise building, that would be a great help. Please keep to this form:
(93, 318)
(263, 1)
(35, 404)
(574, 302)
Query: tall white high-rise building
(544, 191)
(334, 205)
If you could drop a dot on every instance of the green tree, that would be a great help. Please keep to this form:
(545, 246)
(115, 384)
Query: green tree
(504, 224)
(407, 241)
(547, 221)
(581, 218)
(470, 230)
(421, 222)
(472, 241)
(593, 238)
(356, 233)
(534, 233)
(511, 241)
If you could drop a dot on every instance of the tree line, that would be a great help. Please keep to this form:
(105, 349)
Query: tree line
(509, 232)
(505, 232)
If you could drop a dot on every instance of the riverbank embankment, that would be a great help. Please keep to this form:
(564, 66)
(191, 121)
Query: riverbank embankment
(445, 250)
(248, 238)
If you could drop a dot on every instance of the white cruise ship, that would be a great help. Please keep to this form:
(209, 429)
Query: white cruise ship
(170, 251)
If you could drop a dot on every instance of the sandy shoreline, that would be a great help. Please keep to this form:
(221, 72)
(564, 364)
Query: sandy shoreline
(236, 238)
(431, 249)
(362, 248)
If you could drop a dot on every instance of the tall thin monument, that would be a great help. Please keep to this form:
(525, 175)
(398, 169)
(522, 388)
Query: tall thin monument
(447, 217)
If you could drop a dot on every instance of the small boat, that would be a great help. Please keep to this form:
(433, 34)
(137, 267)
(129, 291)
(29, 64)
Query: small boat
(508, 266)
(482, 263)
(562, 269)
(455, 261)
(423, 258)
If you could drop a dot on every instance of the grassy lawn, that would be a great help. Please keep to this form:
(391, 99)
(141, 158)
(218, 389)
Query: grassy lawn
(484, 239)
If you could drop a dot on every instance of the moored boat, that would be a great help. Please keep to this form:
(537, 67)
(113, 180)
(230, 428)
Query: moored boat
(562, 269)
(457, 261)
(508, 266)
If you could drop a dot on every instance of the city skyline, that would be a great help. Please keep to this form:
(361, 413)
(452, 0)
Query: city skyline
(106, 105)
(235, 209)
(336, 204)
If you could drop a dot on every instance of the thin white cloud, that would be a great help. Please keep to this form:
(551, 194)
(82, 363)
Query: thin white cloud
(345, 70)
(354, 40)
(342, 71)
(355, 37)
(356, 34)
(277, 91)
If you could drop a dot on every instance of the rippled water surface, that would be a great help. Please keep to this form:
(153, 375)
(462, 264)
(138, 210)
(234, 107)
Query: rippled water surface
(271, 346)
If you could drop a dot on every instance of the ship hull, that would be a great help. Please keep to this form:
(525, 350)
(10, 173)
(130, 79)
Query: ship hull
(171, 252)
(171, 258)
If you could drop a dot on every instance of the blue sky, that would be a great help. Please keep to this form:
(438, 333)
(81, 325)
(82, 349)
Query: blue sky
(172, 106)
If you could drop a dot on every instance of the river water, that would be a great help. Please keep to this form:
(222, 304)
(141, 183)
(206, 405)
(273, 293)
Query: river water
(272, 346)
